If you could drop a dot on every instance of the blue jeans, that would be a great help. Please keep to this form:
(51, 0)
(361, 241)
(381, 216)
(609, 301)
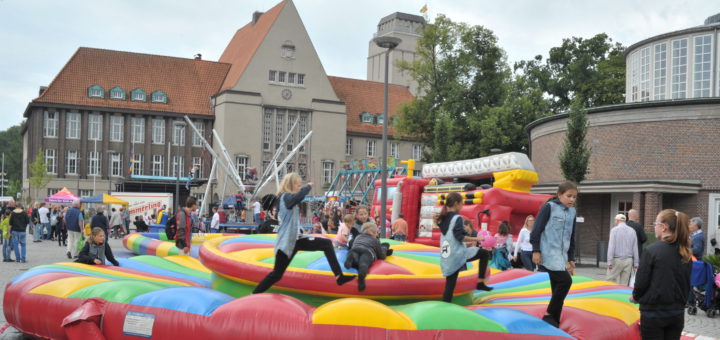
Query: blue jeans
(6, 249)
(18, 239)
(526, 258)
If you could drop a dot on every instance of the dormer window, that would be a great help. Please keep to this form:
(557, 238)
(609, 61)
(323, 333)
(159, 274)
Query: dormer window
(96, 91)
(287, 50)
(159, 97)
(366, 117)
(117, 93)
(380, 119)
(138, 95)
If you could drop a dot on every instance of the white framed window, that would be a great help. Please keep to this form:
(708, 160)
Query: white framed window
(660, 71)
(137, 164)
(50, 124)
(370, 147)
(51, 161)
(241, 164)
(138, 130)
(394, 150)
(117, 93)
(117, 128)
(95, 124)
(348, 147)
(300, 79)
(158, 131)
(178, 134)
(291, 78)
(73, 125)
(178, 164)
(645, 74)
(196, 140)
(158, 165)
(267, 129)
(328, 171)
(71, 163)
(416, 152)
(116, 164)
(701, 75)
(281, 76)
(272, 75)
(678, 88)
(198, 164)
(94, 163)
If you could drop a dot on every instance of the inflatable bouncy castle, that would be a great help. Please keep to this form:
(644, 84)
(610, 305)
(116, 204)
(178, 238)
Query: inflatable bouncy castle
(507, 199)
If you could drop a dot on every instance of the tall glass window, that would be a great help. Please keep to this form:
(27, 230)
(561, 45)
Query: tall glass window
(660, 70)
(645, 74)
(73, 125)
(50, 124)
(158, 132)
(95, 123)
(117, 128)
(679, 69)
(138, 130)
(701, 74)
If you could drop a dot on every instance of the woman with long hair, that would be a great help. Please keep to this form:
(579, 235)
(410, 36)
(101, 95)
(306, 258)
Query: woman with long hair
(290, 239)
(454, 254)
(662, 282)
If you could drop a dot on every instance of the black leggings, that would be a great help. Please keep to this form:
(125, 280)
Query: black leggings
(282, 261)
(560, 282)
(450, 281)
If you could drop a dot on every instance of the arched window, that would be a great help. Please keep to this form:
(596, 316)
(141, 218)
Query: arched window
(117, 93)
(159, 97)
(96, 91)
(138, 95)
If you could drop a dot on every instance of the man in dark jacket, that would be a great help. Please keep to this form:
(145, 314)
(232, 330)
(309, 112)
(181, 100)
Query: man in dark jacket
(100, 221)
(634, 222)
(18, 225)
(364, 250)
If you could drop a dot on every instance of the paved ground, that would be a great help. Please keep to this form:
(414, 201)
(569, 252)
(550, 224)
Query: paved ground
(48, 252)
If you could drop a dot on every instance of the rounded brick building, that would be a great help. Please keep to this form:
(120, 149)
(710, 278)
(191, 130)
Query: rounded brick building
(659, 150)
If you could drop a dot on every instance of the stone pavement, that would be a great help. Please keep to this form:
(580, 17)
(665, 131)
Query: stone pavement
(47, 252)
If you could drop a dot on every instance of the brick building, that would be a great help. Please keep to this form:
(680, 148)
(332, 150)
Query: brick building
(659, 150)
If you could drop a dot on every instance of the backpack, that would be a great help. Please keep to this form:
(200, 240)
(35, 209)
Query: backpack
(171, 227)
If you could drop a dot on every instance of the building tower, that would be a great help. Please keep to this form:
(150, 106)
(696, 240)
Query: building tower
(407, 27)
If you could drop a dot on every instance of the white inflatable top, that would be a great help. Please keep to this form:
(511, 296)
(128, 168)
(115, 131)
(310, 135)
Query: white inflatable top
(478, 167)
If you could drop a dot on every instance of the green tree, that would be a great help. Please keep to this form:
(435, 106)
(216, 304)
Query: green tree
(461, 71)
(575, 155)
(39, 176)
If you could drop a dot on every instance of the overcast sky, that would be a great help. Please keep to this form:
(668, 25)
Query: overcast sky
(38, 37)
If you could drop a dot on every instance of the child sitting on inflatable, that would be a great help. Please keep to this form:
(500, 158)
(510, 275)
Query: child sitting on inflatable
(364, 250)
(96, 250)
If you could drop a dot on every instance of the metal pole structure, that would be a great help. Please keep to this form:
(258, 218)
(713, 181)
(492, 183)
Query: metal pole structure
(388, 43)
(206, 198)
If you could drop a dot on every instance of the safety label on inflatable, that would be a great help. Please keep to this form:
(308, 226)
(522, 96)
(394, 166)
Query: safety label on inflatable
(138, 324)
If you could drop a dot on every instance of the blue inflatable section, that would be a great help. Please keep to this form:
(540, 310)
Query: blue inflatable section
(144, 267)
(518, 322)
(202, 301)
(523, 281)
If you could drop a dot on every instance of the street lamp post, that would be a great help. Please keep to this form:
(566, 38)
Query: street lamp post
(178, 127)
(387, 43)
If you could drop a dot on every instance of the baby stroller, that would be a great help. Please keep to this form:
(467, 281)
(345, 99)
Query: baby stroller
(703, 290)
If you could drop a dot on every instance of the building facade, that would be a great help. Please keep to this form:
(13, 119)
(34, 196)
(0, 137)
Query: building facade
(655, 152)
(110, 120)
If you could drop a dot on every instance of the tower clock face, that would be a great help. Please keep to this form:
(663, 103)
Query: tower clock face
(286, 94)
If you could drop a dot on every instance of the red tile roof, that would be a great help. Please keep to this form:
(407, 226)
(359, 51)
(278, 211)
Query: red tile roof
(188, 83)
(368, 96)
(245, 43)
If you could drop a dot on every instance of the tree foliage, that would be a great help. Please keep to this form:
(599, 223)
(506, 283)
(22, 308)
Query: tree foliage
(575, 155)
(39, 176)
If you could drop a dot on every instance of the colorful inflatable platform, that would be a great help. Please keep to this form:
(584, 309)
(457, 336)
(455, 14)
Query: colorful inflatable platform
(184, 297)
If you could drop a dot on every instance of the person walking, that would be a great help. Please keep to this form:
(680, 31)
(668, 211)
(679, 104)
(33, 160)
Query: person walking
(662, 282)
(74, 222)
(19, 222)
(622, 254)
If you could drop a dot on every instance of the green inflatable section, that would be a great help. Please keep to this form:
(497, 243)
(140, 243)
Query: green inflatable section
(121, 291)
(441, 315)
(169, 265)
